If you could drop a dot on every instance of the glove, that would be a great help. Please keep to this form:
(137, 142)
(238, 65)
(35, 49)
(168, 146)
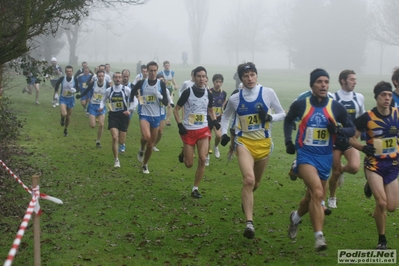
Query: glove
(333, 128)
(290, 147)
(368, 150)
(264, 117)
(158, 94)
(225, 140)
(78, 96)
(216, 124)
(182, 129)
(73, 90)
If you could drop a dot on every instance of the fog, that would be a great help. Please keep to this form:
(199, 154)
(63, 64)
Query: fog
(160, 30)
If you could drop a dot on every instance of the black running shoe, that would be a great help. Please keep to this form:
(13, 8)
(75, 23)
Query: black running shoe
(62, 122)
(249, 231)
(181, 157)
(367, 190)
(382, 244)
(65, 132)
(196, 194)
(327, 211)
(98, 144)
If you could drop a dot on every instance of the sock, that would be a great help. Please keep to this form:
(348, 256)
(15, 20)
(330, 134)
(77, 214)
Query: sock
(323, 203)
(97, 141)
(296, 218)
(194, 188)
(249, 222)
(318, 233)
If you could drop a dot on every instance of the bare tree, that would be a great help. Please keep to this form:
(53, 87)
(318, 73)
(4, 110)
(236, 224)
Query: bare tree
(197, 16)
(232, 32)
(384, 22)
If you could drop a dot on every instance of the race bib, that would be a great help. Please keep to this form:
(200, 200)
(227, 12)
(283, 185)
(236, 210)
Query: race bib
(67, 93)
(84, 85)
(317, 137)
(385, 146)
(218, 111)
(150, 99)
(115, 106)
(196, 119)
(250, 122)
(169, 83)
(97, 97)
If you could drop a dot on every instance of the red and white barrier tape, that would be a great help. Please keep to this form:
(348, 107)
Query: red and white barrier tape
(33, 207)
(42, 195)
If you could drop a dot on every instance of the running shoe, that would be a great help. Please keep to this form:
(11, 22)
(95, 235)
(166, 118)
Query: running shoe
(117, 163)
(327, 211)
(207, 160)
(320, 243)
(181, 157)
(65, 132)
(98, 144)
(249, 231)
(292, 174)
(122, 148)
(155, 148)
(196, 194)
(140, 156)
(382, 244)
(145, 169)
(37, 102)
(332, 202)
(217, 152)
(340, 180)
(293, 228)
(230, 155)
(367, 190)
(210, 151)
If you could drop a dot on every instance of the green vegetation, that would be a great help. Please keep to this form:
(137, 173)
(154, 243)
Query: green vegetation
(123, 217)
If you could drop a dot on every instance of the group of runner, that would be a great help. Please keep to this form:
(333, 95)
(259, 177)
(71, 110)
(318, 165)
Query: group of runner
(328, 127)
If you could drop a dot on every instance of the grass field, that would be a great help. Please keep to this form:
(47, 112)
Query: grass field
(123, 217)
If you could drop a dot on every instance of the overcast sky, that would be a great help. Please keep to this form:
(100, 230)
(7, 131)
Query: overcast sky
(160, 28)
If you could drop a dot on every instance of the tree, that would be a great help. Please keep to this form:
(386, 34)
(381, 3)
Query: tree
(384, 25)
(22, 20)
(197, 16)
(330, 34)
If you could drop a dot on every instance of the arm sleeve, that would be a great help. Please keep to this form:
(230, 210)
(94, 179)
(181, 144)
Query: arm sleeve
(57, 85)
(361, 122)
(135, 90)
(275, 104)
(87, 90)
(165, 100)
(229, 111)
(296, 110)
(104, 101)
(210, 98)
(348, 129)
(183, 98)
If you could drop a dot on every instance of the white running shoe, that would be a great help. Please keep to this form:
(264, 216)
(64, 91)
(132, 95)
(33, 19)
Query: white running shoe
(332, 202)
(340, 180)
(145, 169)
(117, 163)
(155, 148)
(230, 155)
(207, 160)
(140, 156)
(320, 243)
(293, 228)
(217, 152)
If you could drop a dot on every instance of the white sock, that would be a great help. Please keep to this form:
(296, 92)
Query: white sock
(194, 188)
(318, 233)
(323, 203)
(296, 218)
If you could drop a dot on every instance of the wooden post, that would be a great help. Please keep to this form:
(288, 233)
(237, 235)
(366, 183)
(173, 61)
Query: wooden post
(36, 229)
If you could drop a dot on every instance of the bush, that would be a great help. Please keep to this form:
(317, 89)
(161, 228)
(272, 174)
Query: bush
(9, 123)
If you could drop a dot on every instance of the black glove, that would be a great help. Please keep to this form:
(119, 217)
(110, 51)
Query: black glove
(368, 150)
(264, 117)
(290, 147)
(333, 128)
(219, 118)
(172, 105)
(216, 124)
(225, 140)
(182, 129)
(78, 96)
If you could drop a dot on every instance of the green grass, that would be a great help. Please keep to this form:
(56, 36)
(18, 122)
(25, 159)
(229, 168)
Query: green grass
(123, 217)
